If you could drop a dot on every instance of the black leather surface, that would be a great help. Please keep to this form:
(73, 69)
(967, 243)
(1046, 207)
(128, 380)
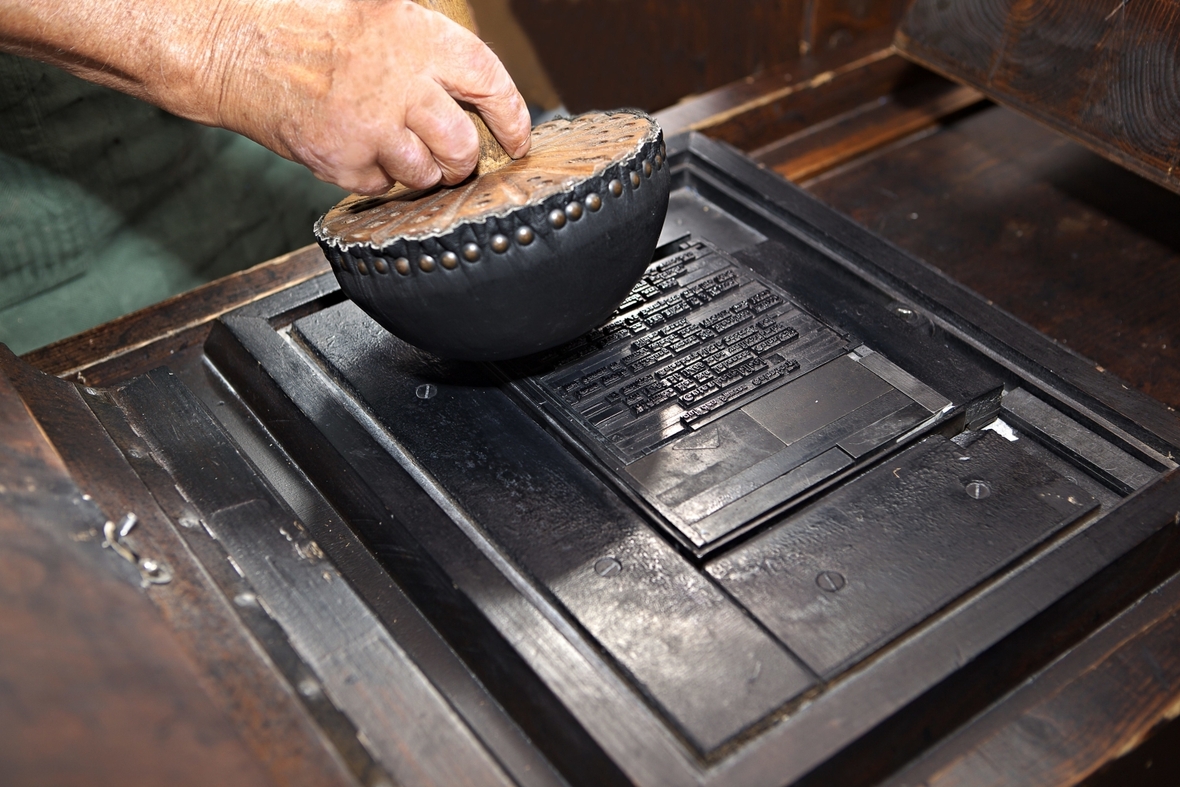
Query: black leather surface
(532, 296)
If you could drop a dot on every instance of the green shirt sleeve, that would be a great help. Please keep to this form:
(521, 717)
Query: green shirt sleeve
(108, 204)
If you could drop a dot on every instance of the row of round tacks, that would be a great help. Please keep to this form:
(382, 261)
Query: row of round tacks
(524, 235)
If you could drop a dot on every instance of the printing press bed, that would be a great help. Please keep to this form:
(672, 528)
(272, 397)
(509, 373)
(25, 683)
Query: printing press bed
(805, 510)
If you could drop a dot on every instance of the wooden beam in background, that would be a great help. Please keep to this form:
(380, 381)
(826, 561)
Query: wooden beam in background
(827, 145)
(1104, 72)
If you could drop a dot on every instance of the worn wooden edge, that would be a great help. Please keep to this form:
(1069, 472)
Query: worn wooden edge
(928, 58)
(722, 113)
(405, 622)
(184, 317)
(107, 693)
(1097, 703)
(1155, 762)
(561, 664)
(729, 102)
(405, 723)
(234, 670)
(829, 144)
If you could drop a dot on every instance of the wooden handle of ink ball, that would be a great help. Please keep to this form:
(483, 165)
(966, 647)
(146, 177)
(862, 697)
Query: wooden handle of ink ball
(491, 155)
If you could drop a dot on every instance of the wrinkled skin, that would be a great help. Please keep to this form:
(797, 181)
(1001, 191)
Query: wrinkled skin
(362, 92)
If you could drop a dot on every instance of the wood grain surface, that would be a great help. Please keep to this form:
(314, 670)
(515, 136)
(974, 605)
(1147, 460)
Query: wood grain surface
(1098, 703)
(1105, 72)
(1081, 249)
(652, 53)
(248, 688)
(763, 108)
(863, 129)
(94, 688)
(803, 124)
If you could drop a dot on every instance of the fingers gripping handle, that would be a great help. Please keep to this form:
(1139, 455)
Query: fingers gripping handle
(491, 155)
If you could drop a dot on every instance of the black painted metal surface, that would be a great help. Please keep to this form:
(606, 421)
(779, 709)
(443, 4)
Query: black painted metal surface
(1113, 465)
(688, 609)
(684, 642)
(877, 557)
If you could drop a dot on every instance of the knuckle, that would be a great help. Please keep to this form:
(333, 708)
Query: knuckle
(461, 147)
(414, 169)
(370, 183)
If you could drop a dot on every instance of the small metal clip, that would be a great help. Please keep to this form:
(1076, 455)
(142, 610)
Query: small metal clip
(151, 572)
(112, 541)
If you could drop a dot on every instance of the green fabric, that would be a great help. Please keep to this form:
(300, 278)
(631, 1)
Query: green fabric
(108, 204)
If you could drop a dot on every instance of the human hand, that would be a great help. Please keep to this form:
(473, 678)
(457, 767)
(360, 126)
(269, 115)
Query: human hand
(367, 95)
(362, 92)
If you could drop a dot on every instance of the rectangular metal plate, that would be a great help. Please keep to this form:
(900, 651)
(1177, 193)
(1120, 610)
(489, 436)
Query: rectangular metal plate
(1116, 467)
(656, 660)
(684, 643)
(818, 399)
(698, 336)
(710, 386)
(882, 553)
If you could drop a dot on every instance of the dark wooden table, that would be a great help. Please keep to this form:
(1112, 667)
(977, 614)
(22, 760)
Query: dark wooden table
(1071, 244)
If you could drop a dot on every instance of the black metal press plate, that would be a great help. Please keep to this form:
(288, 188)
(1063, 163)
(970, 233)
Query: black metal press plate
(875, 557)
(799, 486)
(698, 336)
(714, 398)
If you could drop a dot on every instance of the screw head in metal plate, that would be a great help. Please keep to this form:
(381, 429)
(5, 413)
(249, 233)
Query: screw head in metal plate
(830, 581)
(907, 313)
(246, 599)
(310, 688)
(607, 566)
(977, 490)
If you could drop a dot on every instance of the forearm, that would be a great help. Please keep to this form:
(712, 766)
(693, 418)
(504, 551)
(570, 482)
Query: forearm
(363, 92)
(164, 52)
